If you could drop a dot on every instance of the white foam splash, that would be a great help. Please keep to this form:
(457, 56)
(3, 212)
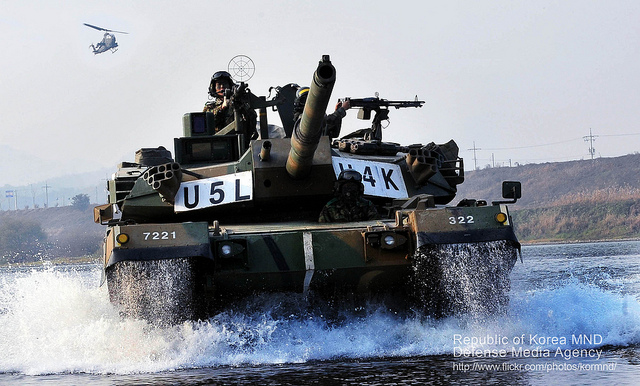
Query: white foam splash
(59, 321)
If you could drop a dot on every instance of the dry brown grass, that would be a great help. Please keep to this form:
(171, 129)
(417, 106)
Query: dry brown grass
(598, 195)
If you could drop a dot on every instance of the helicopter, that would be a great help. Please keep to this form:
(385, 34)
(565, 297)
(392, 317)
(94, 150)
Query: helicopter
(108, 41)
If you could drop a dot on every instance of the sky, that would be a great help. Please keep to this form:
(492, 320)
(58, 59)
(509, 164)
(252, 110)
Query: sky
(520, 81)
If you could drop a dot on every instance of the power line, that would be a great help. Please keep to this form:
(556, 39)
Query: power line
(618, 135)
(589, 138)
(530, 146)
(556, 143)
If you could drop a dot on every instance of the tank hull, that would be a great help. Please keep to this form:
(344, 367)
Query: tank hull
(425, 260)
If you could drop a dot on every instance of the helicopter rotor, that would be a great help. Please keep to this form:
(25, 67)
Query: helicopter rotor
(104, 29)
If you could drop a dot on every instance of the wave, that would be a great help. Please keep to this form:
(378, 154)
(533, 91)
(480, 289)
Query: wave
(58, 320)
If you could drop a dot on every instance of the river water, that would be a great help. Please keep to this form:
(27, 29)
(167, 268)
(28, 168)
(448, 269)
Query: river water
(573, 318)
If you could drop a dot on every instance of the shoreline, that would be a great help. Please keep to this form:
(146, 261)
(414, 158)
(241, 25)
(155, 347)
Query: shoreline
(553, 242)
(91, 259)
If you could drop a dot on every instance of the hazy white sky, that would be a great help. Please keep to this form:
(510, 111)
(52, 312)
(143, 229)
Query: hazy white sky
(523, 80)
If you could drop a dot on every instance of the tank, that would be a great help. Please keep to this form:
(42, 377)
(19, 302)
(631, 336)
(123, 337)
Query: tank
(234, 214)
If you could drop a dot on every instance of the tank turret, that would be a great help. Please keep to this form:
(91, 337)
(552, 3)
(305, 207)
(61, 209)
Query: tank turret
(305, 136)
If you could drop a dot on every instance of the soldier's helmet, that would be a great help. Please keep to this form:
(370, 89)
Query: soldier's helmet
(301, 99)
(220, 75)
(349, 176)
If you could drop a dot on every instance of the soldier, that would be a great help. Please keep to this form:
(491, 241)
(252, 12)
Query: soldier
(332, 122)
(348, 205)
(219, 105)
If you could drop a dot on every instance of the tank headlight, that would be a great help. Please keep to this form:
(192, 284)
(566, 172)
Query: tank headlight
(389, 240)
(501, 218)
(385, 240)
(230, 249)
(122, 238)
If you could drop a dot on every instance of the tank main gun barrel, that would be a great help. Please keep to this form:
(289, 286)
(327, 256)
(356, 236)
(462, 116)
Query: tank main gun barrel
(305, 137)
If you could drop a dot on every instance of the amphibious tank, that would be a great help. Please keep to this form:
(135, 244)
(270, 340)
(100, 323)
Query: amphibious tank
(234, 213)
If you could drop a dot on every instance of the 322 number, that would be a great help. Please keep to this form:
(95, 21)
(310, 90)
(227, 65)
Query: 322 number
(461, 220)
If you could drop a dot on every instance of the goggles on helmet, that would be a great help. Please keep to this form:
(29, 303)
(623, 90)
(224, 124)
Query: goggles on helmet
(221, 74)
(350, 175)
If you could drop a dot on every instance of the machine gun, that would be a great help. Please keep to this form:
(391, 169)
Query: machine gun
(240, 100)
(381, 109)
(244, 103)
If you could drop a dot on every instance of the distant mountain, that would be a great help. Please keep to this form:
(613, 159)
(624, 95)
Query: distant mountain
(32, 178)
(549, 183)
(56, 191)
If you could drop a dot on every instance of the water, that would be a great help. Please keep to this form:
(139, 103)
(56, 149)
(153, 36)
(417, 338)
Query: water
(573, 318)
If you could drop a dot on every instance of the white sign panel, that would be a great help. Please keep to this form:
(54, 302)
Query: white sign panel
(379, 178)
(214, 191)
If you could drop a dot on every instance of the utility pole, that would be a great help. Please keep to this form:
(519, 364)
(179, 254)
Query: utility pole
(33, 196)
(46, 190)
(590, 138)
(475, 160)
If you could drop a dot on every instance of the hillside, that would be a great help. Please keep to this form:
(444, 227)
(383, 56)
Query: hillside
(576, 200)
(69, 232)
(548, 183)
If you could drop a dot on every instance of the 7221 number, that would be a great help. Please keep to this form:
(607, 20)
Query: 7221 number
(159, 235)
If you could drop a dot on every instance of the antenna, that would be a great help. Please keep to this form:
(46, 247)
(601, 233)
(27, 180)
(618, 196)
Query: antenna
(241, 67)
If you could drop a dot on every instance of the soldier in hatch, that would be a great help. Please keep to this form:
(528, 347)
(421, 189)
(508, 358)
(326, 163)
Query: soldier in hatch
(348, 205)
(332, 122)
(219, 105)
